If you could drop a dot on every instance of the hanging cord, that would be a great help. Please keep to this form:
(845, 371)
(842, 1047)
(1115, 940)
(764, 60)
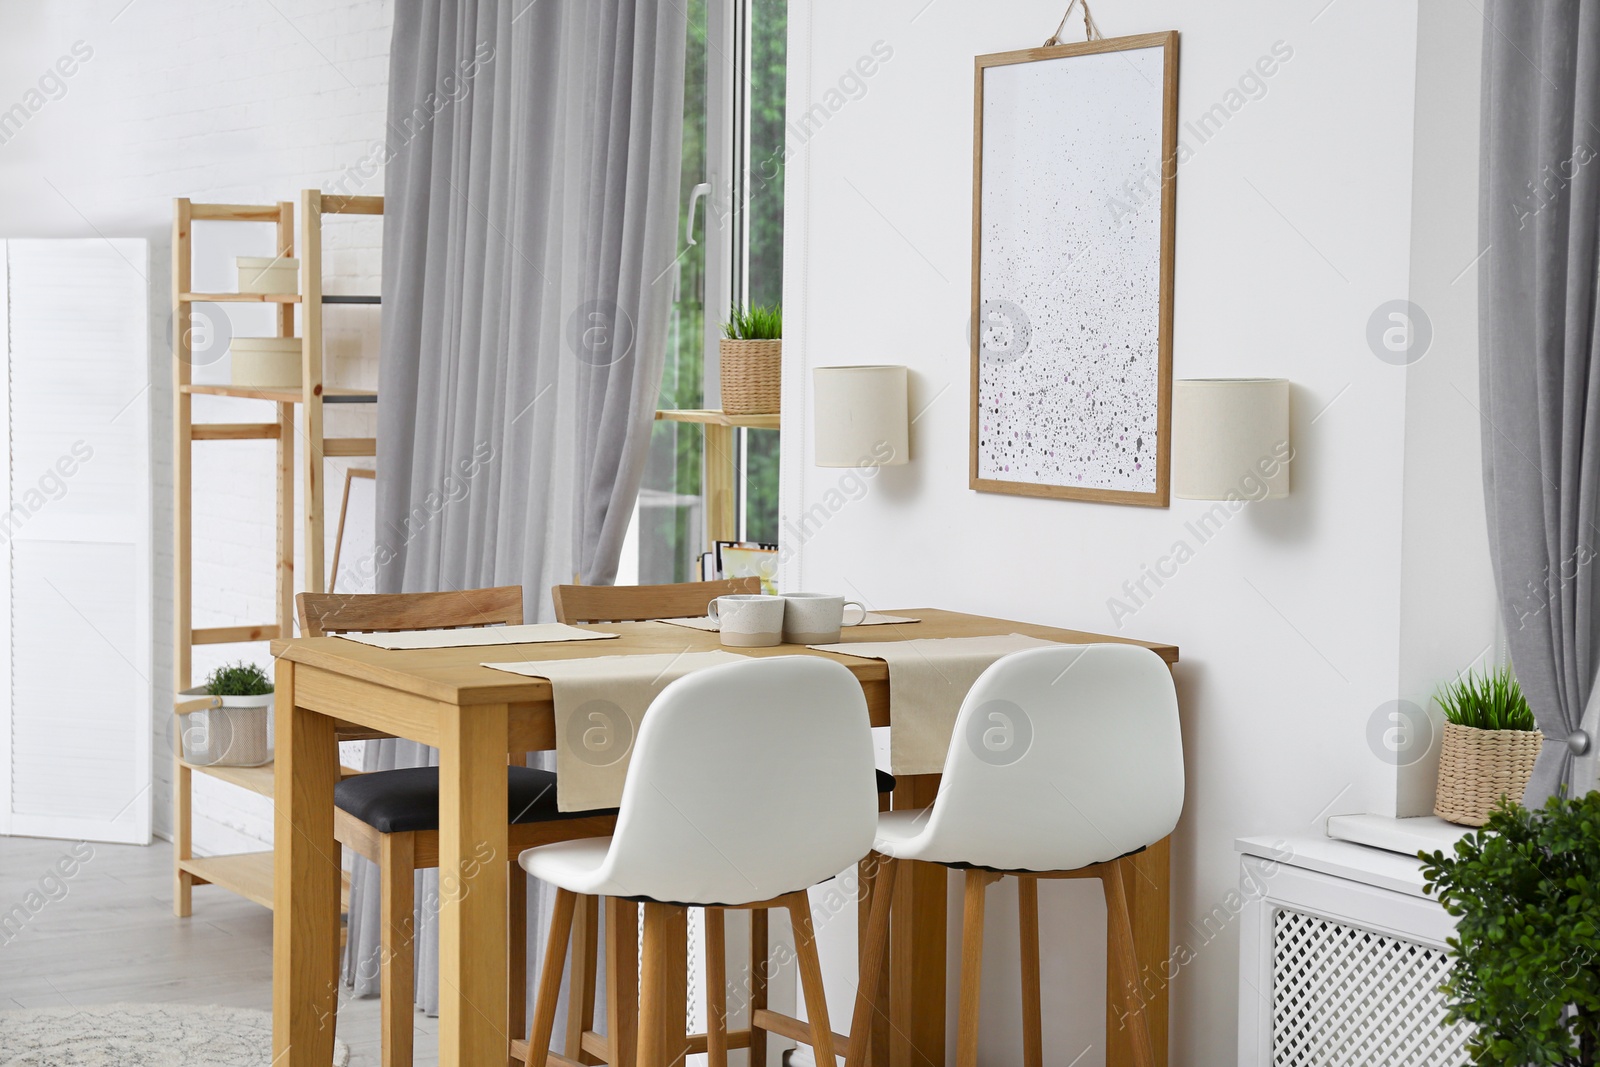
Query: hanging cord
(1091, 30)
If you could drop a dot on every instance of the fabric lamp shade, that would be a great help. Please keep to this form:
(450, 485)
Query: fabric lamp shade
(1230, 436)
(860, 416)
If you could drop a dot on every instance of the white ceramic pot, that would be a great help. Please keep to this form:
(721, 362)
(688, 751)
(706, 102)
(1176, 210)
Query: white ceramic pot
(266, 362)
(268, 274)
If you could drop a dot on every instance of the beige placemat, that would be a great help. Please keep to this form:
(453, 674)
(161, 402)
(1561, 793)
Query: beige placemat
(928, 680)
(600, 702)
(535, 633)
(705, 622)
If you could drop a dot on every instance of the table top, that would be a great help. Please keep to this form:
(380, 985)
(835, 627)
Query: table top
(456, 676)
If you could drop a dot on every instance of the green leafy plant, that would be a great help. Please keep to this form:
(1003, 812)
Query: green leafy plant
(239, 680)
(1487, 702)
(758, 322)
(1525, 890)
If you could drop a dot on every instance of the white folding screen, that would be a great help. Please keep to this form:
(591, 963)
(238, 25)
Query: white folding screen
(75, 642)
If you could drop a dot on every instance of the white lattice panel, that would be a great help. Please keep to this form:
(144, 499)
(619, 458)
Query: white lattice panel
(1342, 996)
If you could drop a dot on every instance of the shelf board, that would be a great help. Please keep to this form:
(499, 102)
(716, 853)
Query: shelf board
(256, 779)
(335, 298)
(249, 874)
(239, 298)
(330, 394)
(719, 418)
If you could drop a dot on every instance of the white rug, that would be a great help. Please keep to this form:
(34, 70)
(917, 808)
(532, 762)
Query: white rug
(140, 1035)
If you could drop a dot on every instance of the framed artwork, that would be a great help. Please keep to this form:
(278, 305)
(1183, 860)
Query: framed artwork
(1074, 188)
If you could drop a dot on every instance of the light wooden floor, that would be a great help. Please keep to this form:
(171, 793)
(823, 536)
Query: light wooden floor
(108, 934)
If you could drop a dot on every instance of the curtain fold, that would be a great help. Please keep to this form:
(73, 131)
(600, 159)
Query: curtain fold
(1540, 384)
(534, 149)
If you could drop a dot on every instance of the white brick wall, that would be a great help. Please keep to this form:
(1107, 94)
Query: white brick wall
(216, 100)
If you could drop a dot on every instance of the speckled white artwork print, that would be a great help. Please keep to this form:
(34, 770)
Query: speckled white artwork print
(1070, 271)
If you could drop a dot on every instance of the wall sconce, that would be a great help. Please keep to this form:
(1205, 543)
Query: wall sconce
(1230, 435)
(860, 416)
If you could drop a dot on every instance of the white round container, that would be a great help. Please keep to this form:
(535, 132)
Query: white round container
(237, 734)
(268, 274)
(266, 362)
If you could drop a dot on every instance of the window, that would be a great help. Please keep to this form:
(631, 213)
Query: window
(731, 237)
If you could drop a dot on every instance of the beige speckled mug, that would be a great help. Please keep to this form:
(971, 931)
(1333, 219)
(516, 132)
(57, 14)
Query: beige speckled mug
(815, 618)
(748, 620)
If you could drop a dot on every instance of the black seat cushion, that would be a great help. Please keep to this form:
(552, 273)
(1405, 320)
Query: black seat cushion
(885, 782)
(407, 800)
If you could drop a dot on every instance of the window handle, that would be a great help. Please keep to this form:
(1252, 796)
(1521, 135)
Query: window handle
(694, 200)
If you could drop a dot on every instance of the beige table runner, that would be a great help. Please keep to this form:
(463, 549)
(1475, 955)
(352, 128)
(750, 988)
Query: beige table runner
(599, 704)
(466, 637)
(928, 680)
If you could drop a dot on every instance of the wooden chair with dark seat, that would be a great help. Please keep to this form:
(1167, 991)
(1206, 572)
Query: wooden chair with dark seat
(392, 817)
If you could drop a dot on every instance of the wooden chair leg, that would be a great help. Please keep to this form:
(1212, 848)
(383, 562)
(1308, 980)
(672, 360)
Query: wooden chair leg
(1032, 1018)
(396, 967)
(971, 967)
(549, 992)
(581, 976)
(622, 982)
(663, 993)
(760, 963)
(517, 958)
(874, 938)
(716, 989)
(805, 948)
(1119, 931)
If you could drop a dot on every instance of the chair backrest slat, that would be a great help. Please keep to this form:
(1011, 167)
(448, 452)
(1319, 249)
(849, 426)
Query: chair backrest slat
(639, 603)
(336, 613)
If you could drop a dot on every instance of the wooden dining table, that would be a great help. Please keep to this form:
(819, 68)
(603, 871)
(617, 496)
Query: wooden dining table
(475, 716)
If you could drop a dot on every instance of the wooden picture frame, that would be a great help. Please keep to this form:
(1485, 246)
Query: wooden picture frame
(1053, 451)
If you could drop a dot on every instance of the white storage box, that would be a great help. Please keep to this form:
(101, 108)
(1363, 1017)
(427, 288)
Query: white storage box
(268, 274)
(266, 362)
(225, 731)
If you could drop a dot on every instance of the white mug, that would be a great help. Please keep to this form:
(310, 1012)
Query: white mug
(815, 618)
(748, 620)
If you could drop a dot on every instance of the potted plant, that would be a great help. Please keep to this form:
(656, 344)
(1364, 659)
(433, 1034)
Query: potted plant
(752, 360)
(1526, 956)
(1490, 743)
(228, 721)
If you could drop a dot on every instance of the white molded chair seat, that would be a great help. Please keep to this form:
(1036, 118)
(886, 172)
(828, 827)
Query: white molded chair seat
(1061, 758)
(748, 784)
(747, 781)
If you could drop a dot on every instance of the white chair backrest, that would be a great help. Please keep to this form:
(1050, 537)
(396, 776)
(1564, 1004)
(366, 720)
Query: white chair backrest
(1061, 757)
(748, 781)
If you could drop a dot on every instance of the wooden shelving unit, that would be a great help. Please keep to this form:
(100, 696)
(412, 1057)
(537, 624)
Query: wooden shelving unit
(250, 874)
(722, 518)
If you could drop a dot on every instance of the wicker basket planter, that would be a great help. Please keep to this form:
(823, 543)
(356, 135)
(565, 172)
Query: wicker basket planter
(1478, 767)
(230, 731)
(751, 376)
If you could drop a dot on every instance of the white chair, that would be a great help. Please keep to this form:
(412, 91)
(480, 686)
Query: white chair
(1063, 760)
(748, 784)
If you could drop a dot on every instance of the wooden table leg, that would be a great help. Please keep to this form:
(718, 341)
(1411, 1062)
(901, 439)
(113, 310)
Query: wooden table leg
(473, 853)
(305, 928)
(917, 957)
(1148, 878)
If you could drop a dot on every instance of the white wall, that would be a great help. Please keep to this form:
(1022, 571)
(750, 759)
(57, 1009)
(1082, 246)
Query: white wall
(1294, 224)
(233, 101)
(1447, 595)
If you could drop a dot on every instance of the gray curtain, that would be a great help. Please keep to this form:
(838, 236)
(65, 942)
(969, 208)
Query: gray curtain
(1540, 382)
(529, 230)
